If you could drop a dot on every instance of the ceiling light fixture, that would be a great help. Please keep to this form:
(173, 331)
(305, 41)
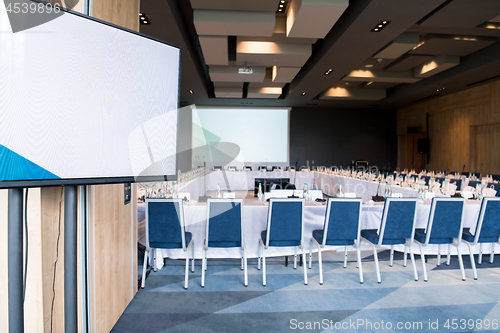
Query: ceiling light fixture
(328, 71)
(490, 25)
(381, 26)
(440, 89)
(369, 83)
(368, 65)
(304, 93)
(190, 91)
(143, 19)
(281, 6)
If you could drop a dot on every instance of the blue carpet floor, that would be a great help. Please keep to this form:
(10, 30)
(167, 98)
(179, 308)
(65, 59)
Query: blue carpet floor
(399, 304)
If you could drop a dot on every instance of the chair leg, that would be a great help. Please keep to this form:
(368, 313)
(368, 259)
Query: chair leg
(345, 257)
(480, 256)
(461, 263)
(310, 253)
(448, 258)
(377, 268)
(192, 257)
(187, 271)
(422, 257)
(245, 266)
(264, 282)
(260, 256)
(405, 255)
(305, 264)
(294, 257)
(472, 263)
(203, 268)
(320, 262)
(391, 260)
(439, 255)
(144, 265)
(154, 259)
(412, 257)
(358, 251)
(492, 255)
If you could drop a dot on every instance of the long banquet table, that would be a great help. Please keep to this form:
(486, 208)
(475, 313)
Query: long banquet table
(255, 212)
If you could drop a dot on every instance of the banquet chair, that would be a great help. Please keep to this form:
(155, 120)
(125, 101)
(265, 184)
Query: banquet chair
(443, 227)
(457, 182)
(341, 228)
(285, 228)
(165, 229)
(496, 187)
(224, 229)
(487, 230)
(397, 228)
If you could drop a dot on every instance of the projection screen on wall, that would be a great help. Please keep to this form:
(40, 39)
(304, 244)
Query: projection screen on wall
(260, 133)
(84, 102)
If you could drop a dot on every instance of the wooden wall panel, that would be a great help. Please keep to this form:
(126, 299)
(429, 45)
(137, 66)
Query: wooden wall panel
(51, 196)
(122, 13)
(113, 243)
(4, 279)
(451, 118)
(487, 148)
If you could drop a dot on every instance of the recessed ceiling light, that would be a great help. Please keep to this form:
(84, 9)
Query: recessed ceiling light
(282, 1)
(279, 10)
(347, 83)
(142, 18)
(145, 22)
(369, 83)
(381, 26)
(380, 60)
(328, 71)
(281, 6)
(440, 89)
(190, 91)
(368, 65)
(140, 14)
(304, 93)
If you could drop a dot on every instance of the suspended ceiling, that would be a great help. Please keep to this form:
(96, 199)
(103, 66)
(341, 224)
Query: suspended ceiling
(328, 53)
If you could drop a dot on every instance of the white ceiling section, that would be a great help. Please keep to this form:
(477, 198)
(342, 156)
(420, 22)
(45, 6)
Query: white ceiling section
(265, 92)
(284, 74)
(228, 92)
(271, 54)
(381, 76)
(234, 23)
(214, 49)
(359, 94)
(230, 74)
(399, 46)
(436, 65)
(313, 18)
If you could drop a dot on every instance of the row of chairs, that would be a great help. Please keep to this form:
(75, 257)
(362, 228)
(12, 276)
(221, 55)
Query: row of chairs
(165, 228)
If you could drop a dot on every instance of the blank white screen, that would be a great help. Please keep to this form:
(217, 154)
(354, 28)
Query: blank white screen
(261, 134)
(82, 99)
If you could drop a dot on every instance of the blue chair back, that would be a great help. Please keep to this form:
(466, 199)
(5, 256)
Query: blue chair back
(224, 221)
(398, 221)
(496, 186)
(284, 222)
(496, 177)
(165, 224)
(473, 183)
(488, 224)
(457, 182)
(445, 220)
(342, 220)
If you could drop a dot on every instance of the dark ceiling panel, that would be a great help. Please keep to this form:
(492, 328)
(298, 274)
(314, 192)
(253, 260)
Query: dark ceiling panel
(464, 14)
(407, 62)
(459, 46)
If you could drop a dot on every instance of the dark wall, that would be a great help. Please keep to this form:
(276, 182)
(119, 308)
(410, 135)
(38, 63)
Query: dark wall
(333, 137)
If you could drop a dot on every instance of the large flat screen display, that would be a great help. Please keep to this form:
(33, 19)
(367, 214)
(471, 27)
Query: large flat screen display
(84, 102)
(261, 134)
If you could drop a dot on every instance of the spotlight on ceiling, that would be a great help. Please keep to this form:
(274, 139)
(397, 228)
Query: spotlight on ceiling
(328, 71)
(303, 94)
(144, 19)
(381, 26)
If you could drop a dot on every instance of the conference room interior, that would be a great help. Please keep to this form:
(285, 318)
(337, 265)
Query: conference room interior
(311, 88)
